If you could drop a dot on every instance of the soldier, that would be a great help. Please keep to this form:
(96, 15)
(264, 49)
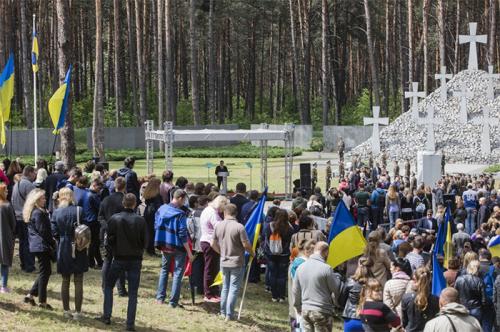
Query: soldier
(443, 162)
(383, 160)
(396, 169)
(328, 175)
(407, 168)
(341, 148)
(413, 182)
(341, 170)
(314, 177)
(370, 161)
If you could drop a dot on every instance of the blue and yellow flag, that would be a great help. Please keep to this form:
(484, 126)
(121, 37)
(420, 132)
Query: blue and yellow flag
(58, 103)
(494, 246)
(438, 280)
(345, 238)
(448, 245)
(253, 228)
(6, 94)
(34, 52)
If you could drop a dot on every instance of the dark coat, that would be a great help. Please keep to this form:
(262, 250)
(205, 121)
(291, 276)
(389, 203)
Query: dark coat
(239, 200)
(413, 319)
(64, 222)
(127, 235)
(471, 291)
(51, 183)
(7, 238)
(39, 232)
(423, 225)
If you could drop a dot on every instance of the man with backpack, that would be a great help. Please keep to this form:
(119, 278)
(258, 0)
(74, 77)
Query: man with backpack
(377, 200)
(487, 273)
(127, 172)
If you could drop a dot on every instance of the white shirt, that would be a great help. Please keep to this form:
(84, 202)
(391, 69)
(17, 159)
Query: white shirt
(208, 220)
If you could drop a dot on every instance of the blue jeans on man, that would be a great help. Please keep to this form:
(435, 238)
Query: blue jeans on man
(179, 258)
(25, 256)
(470, 222)
(133, 272)
(231, 281)
(362, 216)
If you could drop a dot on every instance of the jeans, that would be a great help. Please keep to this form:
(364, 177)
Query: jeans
(210, 270)
(78, 281)
(376, 218)
(231, 281)
(120, 283)
(197, 273)
(353, 325)
(470, 222)
(362, 216)
(133, 271)
(392, 218)
(488, 318)
(4, 271)
(25, 256)
(39, 287)
(94, 248)
(477, 313)
(179, 258)
(278, 269)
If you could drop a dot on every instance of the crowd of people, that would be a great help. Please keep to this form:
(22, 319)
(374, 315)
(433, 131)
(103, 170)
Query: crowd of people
(92, 218)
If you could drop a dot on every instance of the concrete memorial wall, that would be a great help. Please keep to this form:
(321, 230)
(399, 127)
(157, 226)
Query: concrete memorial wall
(21, 142)
(352, 135)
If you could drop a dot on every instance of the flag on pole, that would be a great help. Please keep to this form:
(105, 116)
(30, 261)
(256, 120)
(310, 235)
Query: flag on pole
(6, 94)
(34, 51)
(345, 239)
(253, 228)
(58, 103)
(494, 246)
(448, 245)
(438, 280)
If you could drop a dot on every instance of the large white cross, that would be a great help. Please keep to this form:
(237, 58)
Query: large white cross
(486, 121)
(375, 121)
(429, 120)
(491, 86)
(464, 93)
(472, 38)
(442, 76)
(414, 95)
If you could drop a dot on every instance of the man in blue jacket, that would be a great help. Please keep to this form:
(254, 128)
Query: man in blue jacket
(171, 237)
(130, 176)
(470, 203)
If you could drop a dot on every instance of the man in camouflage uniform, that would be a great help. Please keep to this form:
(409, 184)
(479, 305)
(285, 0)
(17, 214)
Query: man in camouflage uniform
(407, 168)
(341, 148)
(396, 169)
(314, 177)
(328, 175)
(341, 170)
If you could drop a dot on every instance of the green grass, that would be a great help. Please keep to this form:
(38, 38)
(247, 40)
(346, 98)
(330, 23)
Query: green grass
(492, 168)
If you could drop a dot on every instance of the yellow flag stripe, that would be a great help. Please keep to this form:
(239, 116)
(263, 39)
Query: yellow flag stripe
(56, 103)
(347, 244)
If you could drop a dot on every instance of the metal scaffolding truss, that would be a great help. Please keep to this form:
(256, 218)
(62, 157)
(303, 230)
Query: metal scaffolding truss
(168, 136)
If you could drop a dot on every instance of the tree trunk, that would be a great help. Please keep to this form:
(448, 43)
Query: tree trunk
(250, 93)
(98, 114)
(306, 112)
(26, 66)
(132, 56)
(140, 63)
(160, 64)
(228, 77)
(169, 45)
(387, 56)
(492, 34)
(119, 93)
(295, 63)
(195, 87)
(324, 60)
(371, 55)
(441, 32)
(456, 62)
(410, 41)
(425, 27)
(63, 60)
(403, 64)
(211, 64)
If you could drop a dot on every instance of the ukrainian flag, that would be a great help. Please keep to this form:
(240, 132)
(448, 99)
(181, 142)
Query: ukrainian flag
(6, 94)
(494, 246)
(448, 245)
(438, 280)
(345, 238)
(253, 228)
(58, 103)
(34, 52)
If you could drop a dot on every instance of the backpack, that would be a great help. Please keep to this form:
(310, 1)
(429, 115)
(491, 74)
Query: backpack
(420, 205)
(381, 199)
(82, 235)
(275, 243)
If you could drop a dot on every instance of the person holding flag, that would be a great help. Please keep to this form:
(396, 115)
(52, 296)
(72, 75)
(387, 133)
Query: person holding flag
(230, 241)
(34, 64)
(6, 94)
(443, 248)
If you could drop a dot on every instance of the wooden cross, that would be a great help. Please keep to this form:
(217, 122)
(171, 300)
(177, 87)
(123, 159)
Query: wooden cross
(472, 38)
(375, 121)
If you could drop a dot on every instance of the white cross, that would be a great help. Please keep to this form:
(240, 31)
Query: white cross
(375, 121)
(491, 87)
(442, 76)
(414, 95)
(472, 39)
(486, 121)
(464, 93)
(430, 121)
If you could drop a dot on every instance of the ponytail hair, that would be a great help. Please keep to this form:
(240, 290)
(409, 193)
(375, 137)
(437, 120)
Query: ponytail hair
(422, 285)
(371, 286)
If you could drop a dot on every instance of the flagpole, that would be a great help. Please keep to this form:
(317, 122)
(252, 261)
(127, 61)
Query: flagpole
(35, 127)
(245, 287)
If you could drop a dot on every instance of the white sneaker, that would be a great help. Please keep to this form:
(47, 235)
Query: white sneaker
(68, 315)
(77, 316)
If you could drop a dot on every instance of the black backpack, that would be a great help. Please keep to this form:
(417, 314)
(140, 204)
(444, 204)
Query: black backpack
(381, 199)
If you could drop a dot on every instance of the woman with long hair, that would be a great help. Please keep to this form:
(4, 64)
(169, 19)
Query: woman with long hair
(353, 288)
(395, 288)
(374, 314)
(418, 305)
(468, 257)
(14, 168)
(7, 237)
(70, 260)
(41, 244)
(471, 290)
(392, 205)
(154, 201)
(277, 238)
(380, 264)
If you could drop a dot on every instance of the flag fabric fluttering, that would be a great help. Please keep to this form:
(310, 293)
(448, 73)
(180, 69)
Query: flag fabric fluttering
(253, 227)
(58, 103)
(34, 52)
(345, 239)
(6, 94)
(448, 245)
(494, 246)
(438, 280)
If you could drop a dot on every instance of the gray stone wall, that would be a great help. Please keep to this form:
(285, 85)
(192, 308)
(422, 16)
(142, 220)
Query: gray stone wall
(133, 137)
(21, 142)
(302, 136)
(352, 135)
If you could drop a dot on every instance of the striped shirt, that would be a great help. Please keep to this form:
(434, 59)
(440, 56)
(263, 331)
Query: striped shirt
(376, 316)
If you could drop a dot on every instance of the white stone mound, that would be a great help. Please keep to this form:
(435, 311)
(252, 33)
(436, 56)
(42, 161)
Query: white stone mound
(461, 142)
